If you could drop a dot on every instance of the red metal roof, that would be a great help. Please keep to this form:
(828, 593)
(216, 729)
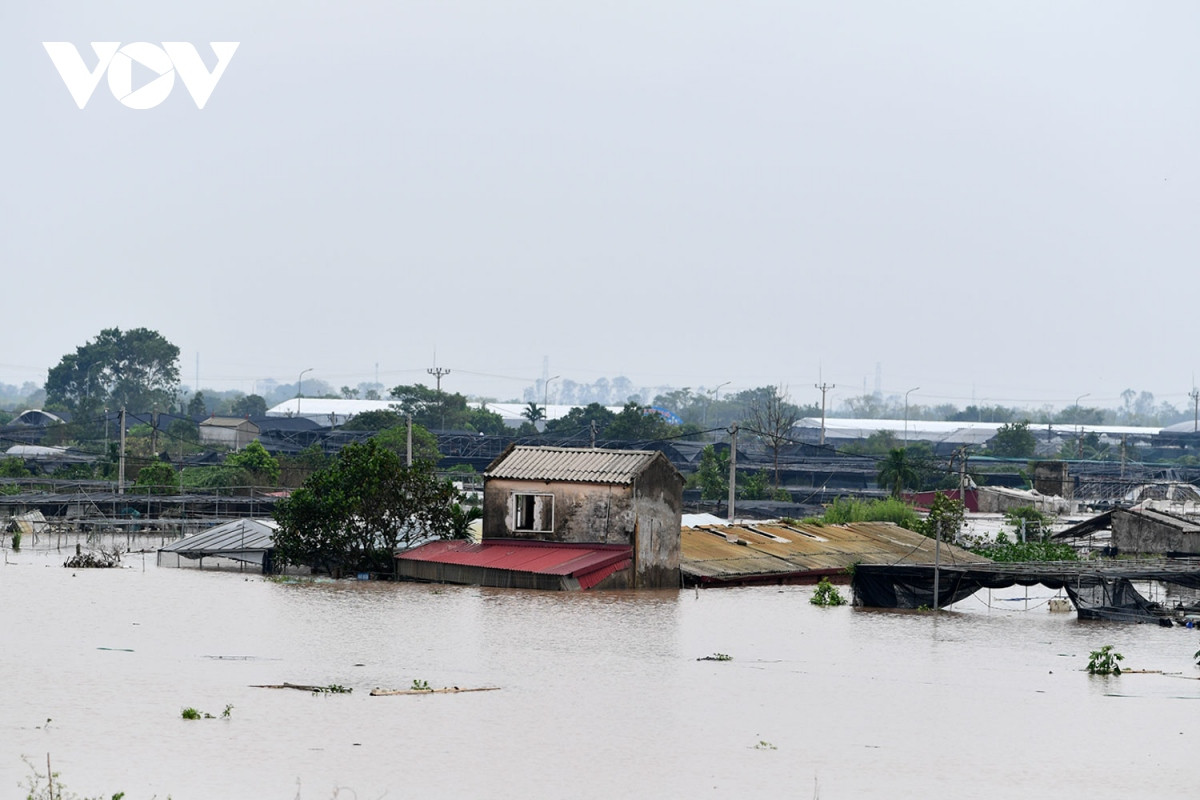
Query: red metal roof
(580, 561)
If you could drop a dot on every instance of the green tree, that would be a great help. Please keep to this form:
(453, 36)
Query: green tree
(157, 478)
(183, 430)
(295, 469)
(533, 412)
(946, 517)
(712, 476)
(580, 419)
(754, 486)
(250, 405)
(425, 444)
(260, 467)
(373, 421)
(461, 518)
(197, 407)
(136, 369)
(13, 467)
(1013, 440)
(353, 514)
(436, 410)
(897, 472)
(639, 423)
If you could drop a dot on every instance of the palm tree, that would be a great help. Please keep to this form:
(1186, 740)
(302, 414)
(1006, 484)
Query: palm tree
(533, 412)
(897, 472)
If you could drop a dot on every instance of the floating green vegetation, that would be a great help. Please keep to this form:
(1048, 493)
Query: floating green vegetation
(332, 688)
(827, 595)
(419, 685)
(1104, 661)
(195, 713)
(716, 657)
(764, 745)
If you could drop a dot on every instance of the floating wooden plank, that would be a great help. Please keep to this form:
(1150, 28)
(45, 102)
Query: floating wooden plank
(447, 690)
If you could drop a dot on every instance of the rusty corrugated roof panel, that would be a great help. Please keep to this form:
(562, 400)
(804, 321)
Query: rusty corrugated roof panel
(581, 465)
(728, 553)
(520, 555)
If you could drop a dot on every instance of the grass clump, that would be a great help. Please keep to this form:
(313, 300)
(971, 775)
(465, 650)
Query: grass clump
(844, 510)
(419, 685)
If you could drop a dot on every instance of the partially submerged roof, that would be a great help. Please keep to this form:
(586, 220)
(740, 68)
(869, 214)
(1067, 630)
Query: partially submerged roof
(575, 464)
(519, 563)
(775, 552)
(1104, 522)
(229, 540)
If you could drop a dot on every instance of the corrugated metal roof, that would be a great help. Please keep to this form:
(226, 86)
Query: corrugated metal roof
(238, 536)
(731, 553)
(582, 465)
(542, 558)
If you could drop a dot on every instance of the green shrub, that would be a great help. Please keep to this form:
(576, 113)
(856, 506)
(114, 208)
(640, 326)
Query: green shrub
(827, 595)
(1104, 661)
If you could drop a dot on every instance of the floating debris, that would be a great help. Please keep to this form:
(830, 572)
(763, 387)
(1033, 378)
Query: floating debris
(102, 560)
(332, 688)
(447, 690)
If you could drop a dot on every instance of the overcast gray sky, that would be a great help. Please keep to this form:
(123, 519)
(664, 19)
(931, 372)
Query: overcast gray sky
(989, 200)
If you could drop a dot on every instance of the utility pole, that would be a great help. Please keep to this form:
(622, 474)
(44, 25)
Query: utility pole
(408, 460)
(824, 387)
(937, 562)
(437, 373)
(962, 477)
(593, 428)
(732, 470)
(121, 461)
(1195, 395)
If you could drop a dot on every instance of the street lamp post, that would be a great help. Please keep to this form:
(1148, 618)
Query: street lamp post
(300, 388)
(716, 395)
(906, 394)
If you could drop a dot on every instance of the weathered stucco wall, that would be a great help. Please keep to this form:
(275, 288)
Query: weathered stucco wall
(658, 506)
(583, 512)
(646, 516)
(1132, 534)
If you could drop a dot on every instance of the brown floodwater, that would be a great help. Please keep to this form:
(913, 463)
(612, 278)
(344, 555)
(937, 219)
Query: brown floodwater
(601, 694)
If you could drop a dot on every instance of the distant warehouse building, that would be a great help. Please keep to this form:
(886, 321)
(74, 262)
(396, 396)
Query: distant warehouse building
(561, 517)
